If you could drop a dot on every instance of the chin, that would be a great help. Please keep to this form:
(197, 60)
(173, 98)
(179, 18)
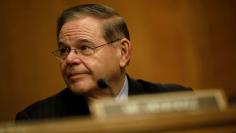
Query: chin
(80, 88)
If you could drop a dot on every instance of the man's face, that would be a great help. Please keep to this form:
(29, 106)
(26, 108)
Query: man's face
(81, 72)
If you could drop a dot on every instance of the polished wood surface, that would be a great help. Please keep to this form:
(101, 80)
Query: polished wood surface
(186, 122)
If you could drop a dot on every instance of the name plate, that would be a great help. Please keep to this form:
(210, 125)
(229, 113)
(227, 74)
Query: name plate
(161, 103)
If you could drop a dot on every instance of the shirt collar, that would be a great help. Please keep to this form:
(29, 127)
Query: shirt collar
(123, 94)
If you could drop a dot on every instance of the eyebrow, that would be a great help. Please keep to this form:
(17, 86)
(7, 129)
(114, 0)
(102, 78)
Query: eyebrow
(79, 41)
(61, 44)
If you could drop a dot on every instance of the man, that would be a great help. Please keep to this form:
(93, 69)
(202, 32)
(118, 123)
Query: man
(93, 45)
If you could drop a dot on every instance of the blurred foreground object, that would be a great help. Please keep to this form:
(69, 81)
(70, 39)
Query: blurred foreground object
(162, 103)
(199, 111)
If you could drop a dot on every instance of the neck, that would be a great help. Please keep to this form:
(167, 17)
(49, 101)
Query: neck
(116, 86)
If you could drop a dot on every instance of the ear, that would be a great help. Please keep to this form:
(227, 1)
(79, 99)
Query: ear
(125, 51)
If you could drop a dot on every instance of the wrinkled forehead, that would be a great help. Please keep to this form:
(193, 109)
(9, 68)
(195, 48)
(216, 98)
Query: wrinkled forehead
(87, 28)
(86, 25)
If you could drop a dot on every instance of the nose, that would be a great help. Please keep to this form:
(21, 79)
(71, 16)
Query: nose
(72, 58)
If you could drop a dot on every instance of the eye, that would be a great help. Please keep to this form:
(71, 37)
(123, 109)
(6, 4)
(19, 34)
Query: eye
(85, 48)
(64, 50)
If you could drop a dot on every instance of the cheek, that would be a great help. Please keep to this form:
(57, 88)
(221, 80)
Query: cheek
(109, 61)
(63, 68)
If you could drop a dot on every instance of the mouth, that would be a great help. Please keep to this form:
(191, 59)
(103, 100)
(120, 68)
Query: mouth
(75, 76)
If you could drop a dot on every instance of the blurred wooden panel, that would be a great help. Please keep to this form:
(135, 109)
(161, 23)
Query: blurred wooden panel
(188, 122)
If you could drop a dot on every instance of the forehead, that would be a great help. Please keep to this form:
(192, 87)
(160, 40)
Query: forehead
(83, 28)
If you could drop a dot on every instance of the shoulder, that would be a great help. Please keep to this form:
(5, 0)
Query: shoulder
(42, 108)
(141, 87)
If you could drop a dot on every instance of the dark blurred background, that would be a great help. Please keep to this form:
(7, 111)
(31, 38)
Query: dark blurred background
(189, 42)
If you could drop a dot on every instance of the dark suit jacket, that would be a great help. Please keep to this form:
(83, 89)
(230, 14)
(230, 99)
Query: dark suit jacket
(66, 103)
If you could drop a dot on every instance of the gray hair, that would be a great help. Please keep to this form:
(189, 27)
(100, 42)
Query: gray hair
(114, 26)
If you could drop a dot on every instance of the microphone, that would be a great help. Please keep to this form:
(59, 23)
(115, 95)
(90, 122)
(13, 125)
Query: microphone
(103, 84)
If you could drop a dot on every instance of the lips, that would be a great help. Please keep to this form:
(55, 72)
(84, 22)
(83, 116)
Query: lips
(76, 75)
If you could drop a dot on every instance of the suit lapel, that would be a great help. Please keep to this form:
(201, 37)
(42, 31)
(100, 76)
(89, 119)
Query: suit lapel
(134, 87)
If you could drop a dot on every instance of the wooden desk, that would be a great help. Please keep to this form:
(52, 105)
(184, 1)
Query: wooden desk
(186, 122)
